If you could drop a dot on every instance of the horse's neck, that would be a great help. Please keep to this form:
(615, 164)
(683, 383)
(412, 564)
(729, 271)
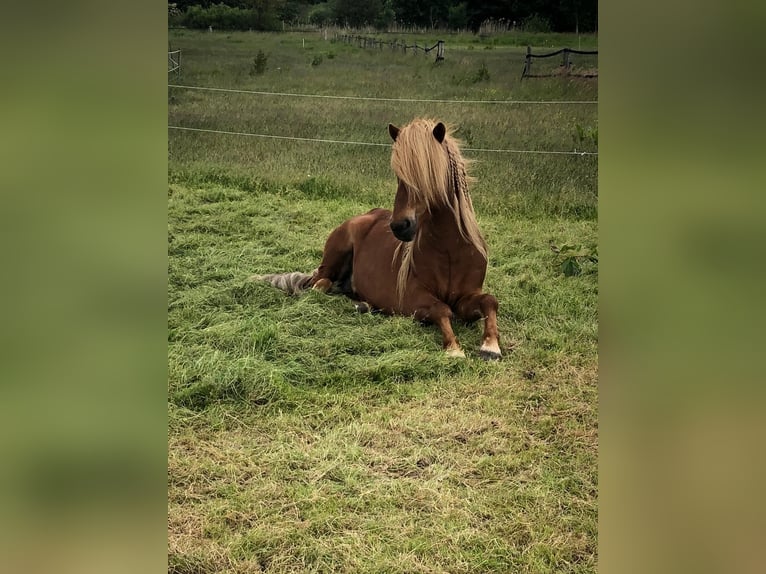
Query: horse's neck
(440, 233)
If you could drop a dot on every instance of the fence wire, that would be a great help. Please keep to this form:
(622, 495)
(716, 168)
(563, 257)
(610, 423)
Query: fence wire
(376, 99)
(374, 144)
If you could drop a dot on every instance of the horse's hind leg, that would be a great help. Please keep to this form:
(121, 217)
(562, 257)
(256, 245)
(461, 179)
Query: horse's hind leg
(477, 306)
(337, 259)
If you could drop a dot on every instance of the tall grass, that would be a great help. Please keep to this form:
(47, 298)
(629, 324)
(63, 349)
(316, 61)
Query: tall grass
(517, 183)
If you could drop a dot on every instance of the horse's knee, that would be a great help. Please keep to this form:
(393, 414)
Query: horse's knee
(475, 307)
(488, 303)
(434, 313)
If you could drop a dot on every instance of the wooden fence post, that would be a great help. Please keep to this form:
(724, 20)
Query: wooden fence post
(566, 60)
(440, 50)
(527, 63)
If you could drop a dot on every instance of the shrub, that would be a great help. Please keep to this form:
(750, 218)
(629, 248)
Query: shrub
(260, 62)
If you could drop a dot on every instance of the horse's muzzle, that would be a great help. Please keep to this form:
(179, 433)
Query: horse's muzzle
(404, 229)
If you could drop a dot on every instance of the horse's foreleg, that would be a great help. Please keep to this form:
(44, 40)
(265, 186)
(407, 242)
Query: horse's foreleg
(336, 259)
(477, 306)
(441, 315)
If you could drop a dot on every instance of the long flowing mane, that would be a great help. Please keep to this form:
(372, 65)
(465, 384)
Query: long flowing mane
(437, 176)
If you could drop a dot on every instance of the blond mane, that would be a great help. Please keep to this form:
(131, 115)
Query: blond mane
(436, 174)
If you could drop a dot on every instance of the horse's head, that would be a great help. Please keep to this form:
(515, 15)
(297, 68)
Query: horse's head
(420, 164)
(404, 219)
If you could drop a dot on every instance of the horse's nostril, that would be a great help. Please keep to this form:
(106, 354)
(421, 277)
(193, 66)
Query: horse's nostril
(402, 226)
(404, 229)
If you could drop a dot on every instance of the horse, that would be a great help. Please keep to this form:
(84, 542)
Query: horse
(427, 258)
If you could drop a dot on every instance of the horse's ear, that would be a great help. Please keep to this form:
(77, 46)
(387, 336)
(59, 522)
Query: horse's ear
(439, 132)
(393, 131)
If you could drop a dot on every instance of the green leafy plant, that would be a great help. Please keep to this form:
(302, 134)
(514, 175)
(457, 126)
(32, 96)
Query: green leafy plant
(571, 258)
(586, 134)
(316, 60)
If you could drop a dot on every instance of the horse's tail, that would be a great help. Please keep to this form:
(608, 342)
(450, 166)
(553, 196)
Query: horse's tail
(291, 283)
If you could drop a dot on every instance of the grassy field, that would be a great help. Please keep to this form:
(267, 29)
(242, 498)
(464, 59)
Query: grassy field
(304, 437)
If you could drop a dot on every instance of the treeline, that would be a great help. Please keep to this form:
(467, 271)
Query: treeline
(529, 15)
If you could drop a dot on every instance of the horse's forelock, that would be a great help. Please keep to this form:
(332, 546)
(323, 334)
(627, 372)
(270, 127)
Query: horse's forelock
(420, 161)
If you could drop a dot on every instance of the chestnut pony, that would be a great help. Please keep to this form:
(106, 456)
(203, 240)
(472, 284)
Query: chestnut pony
(426, 259)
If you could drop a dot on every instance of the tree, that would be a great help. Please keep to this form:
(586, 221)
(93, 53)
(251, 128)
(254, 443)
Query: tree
(354, 13)
(424, 13)
(458, 16)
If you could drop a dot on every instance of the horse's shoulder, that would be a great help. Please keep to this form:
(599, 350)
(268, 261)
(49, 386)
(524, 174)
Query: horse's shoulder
(361, 225)
(378, 213)
(371, 217)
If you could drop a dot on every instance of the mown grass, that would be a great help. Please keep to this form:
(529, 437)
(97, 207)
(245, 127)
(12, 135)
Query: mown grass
(305, 437)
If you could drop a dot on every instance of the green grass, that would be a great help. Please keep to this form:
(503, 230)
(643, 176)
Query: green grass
(305, 437)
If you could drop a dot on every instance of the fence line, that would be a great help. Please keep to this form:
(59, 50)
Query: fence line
(318, 140)
(365, 42)
(367, 98)
(565, 67)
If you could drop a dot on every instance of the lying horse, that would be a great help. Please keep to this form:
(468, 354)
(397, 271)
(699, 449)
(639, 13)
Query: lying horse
(427, 258)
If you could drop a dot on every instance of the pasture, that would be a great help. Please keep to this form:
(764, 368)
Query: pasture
(305, 437)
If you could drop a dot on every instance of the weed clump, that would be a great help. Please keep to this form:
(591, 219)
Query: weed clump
(481, 75)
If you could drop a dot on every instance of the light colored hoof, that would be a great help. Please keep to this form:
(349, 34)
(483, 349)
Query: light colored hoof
(362, 307)
(323, 285)
(456, 353)
(490, 352)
